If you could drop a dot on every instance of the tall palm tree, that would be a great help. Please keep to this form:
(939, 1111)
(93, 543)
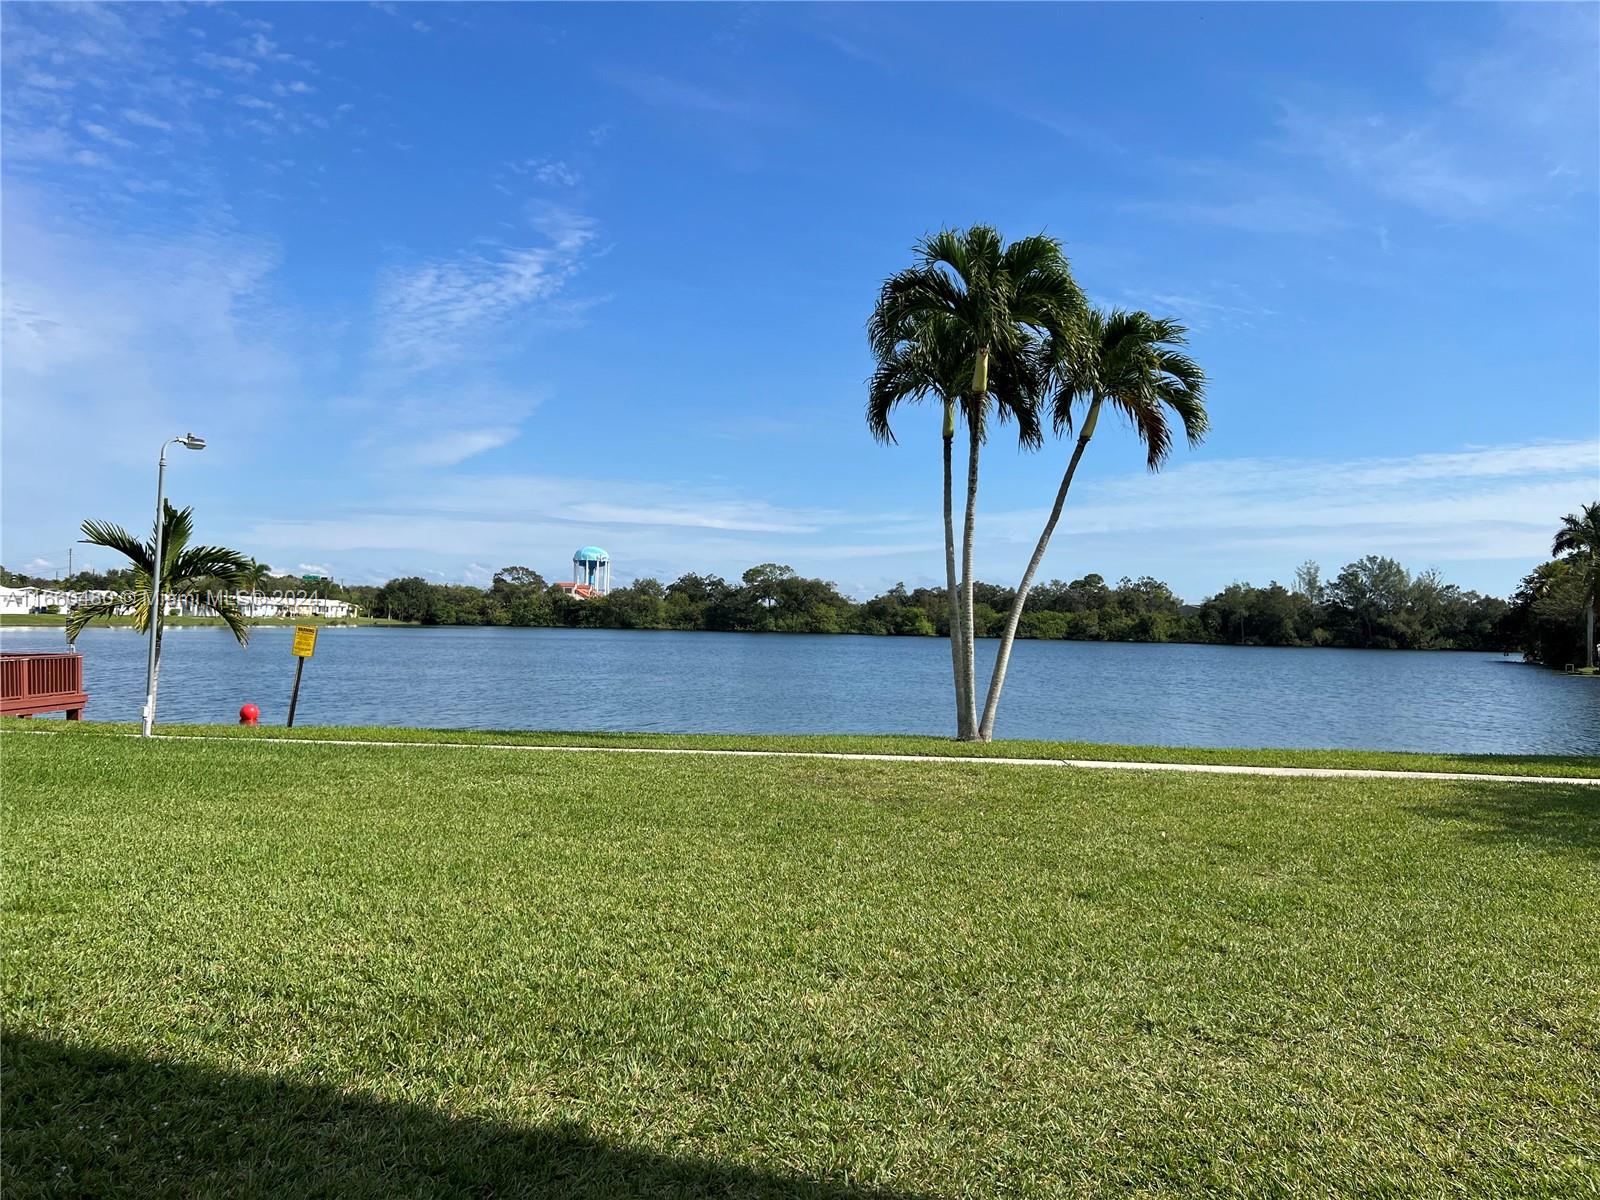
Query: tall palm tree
(184, 568)
(1580, 534)
(1133, 362)
(929, 357)
(995, 306)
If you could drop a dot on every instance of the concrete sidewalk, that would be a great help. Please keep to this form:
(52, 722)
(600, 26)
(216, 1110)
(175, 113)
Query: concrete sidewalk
(1092, 764)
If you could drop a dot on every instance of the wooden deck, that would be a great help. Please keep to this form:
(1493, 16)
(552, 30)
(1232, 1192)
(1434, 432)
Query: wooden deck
(41, 683)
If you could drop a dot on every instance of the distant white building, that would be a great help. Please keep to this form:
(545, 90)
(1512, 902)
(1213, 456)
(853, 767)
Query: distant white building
(252, 604)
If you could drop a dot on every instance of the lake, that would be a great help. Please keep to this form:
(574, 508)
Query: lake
(794, 683)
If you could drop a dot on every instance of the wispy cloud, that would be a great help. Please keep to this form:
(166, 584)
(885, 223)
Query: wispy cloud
(1262, 516)
(227, 62)
(135, 116)
(1278, 212)
(451, 448)
(665, 91)
(433, 313)
(1509, 125)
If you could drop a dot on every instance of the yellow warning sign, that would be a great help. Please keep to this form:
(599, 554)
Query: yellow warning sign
(305, 641)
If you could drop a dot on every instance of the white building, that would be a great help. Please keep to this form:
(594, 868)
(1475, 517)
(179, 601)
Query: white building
(252, 604)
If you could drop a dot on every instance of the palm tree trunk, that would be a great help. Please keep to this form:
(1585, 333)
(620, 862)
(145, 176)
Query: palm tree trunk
(1002, 659)
(970, 648)
(957, 640)
(1588, 641)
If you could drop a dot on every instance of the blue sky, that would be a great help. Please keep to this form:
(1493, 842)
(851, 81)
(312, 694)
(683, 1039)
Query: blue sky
(450, 287)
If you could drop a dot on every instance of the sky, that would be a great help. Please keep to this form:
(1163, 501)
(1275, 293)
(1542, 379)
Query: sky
(454, 287)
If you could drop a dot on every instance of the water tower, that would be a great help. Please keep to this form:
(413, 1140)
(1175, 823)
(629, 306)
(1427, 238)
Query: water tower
(592, 566)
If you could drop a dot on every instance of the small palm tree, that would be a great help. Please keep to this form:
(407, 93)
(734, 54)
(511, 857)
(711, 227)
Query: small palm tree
(993, 309)
(254, 575)
(184, 568)
(1132, 362)
(1580, 535)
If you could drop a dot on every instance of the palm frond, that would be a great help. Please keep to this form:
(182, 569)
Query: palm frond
(115, 537)
(224, 606)
(84, 613)
(1132, 362)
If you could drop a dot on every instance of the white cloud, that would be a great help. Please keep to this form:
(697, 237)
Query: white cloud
(1511, 124)
(451, 447)
(662, 91)
(109, 136)
(227, 62)
(107, 341)
(1261, 516)
(440, 312)
(1260, 212)
(135, 116)
(553, 172)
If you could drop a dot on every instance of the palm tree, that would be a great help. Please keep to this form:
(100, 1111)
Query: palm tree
(183, 569)
(1132, 362)
(992, 308)
(1580, 534)
(254, 575)
(929, 358)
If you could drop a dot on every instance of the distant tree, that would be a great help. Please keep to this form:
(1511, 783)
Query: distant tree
(518, 577)
(412, 598)
(254, 575)
(1579, 536)
(764, 583)
(1365, 601)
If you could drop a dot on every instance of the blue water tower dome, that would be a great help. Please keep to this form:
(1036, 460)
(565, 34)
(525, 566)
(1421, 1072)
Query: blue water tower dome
(591, 568)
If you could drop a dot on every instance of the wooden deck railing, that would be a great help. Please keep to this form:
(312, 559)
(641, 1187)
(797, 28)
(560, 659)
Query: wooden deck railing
(41, 683)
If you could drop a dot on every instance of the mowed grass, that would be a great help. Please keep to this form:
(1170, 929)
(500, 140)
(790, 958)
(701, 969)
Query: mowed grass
(1546, 765)
(243, 968)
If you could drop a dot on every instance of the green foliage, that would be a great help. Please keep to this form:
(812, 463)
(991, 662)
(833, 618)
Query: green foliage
(205, 573)
(1546, 615)
(1373, 603)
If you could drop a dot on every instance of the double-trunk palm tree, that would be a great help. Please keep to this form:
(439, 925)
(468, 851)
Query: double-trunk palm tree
(199, 571)
(1580, 535)
(1133, 363)
(968, 323)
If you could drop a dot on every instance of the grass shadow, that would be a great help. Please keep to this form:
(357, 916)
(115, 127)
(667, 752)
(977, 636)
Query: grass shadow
(1552, 816)
(81, 1122)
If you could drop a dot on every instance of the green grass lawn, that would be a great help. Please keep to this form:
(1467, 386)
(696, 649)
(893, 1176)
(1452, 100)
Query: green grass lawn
(242, 968)
(1551, 765)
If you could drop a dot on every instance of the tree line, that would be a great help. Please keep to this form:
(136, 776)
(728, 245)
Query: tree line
(1373, 603)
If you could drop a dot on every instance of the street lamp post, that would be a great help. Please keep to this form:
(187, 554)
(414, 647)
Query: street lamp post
(189, 442)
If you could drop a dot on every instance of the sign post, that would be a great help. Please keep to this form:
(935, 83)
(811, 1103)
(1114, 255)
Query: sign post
(305, 645)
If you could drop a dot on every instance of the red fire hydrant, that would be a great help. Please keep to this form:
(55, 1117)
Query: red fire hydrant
(249, 714)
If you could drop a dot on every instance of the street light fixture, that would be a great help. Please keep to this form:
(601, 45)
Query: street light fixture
(189, 442)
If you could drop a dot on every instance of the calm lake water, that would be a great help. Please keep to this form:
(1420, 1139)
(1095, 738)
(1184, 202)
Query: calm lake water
(791, 683)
